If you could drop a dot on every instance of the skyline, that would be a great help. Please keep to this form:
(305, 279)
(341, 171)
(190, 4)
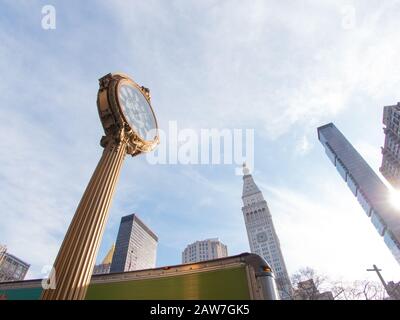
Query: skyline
(295, 81)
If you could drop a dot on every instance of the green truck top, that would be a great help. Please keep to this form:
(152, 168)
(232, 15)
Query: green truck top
(245, 276)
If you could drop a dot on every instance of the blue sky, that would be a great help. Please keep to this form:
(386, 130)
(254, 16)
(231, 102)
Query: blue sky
(281, 68)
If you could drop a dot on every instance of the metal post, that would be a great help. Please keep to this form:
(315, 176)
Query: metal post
(387, 289)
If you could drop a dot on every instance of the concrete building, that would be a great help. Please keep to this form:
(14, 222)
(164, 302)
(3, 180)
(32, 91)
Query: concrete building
(390, 167)
(136, 246)
(261, 233)
(306, 290)
(364, 183)
(204, 250)
(105, 265)
(12, 268)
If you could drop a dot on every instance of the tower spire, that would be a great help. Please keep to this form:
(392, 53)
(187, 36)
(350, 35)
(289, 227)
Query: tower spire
(246, 170)
(249, 186)
(108, 258)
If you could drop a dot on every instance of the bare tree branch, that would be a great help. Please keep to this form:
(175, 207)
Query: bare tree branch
(341, 290)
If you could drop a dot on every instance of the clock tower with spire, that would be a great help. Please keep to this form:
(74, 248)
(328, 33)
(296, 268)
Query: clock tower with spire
(261, 233)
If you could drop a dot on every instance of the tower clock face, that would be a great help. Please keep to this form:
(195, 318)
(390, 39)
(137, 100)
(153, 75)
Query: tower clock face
(262, 237)
(137, 111)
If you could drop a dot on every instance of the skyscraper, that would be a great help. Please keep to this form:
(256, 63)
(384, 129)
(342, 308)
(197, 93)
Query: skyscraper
(261, 232)
(365, 184)
(204, 250)
(136, 246)
(390, 167)
(12, 268)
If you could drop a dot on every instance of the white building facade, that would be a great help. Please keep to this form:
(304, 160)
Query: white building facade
(261, 233)
(204, 250)
(12, 268)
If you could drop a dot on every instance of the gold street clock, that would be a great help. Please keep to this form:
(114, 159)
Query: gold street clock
(130, 127)
(126, 113)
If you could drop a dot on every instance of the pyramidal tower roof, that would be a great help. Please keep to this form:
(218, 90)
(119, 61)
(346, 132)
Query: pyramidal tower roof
(108, 258)
(249, 186)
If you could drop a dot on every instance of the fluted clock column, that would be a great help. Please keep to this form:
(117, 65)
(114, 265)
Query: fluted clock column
(76, 258)
(2, 253)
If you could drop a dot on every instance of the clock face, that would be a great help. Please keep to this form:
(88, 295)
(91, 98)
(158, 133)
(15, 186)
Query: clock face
(137, 111)
(262, 237)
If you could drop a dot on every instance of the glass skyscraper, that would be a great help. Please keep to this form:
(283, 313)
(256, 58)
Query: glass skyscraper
(365, 184)
(136, 246)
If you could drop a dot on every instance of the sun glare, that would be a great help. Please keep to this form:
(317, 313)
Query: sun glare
(395, 198)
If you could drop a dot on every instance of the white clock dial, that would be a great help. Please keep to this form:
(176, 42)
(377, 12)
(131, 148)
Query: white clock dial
(262, 237)
(137, 111)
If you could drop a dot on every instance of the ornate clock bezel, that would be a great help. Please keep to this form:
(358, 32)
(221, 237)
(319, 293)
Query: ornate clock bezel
(112, 116)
